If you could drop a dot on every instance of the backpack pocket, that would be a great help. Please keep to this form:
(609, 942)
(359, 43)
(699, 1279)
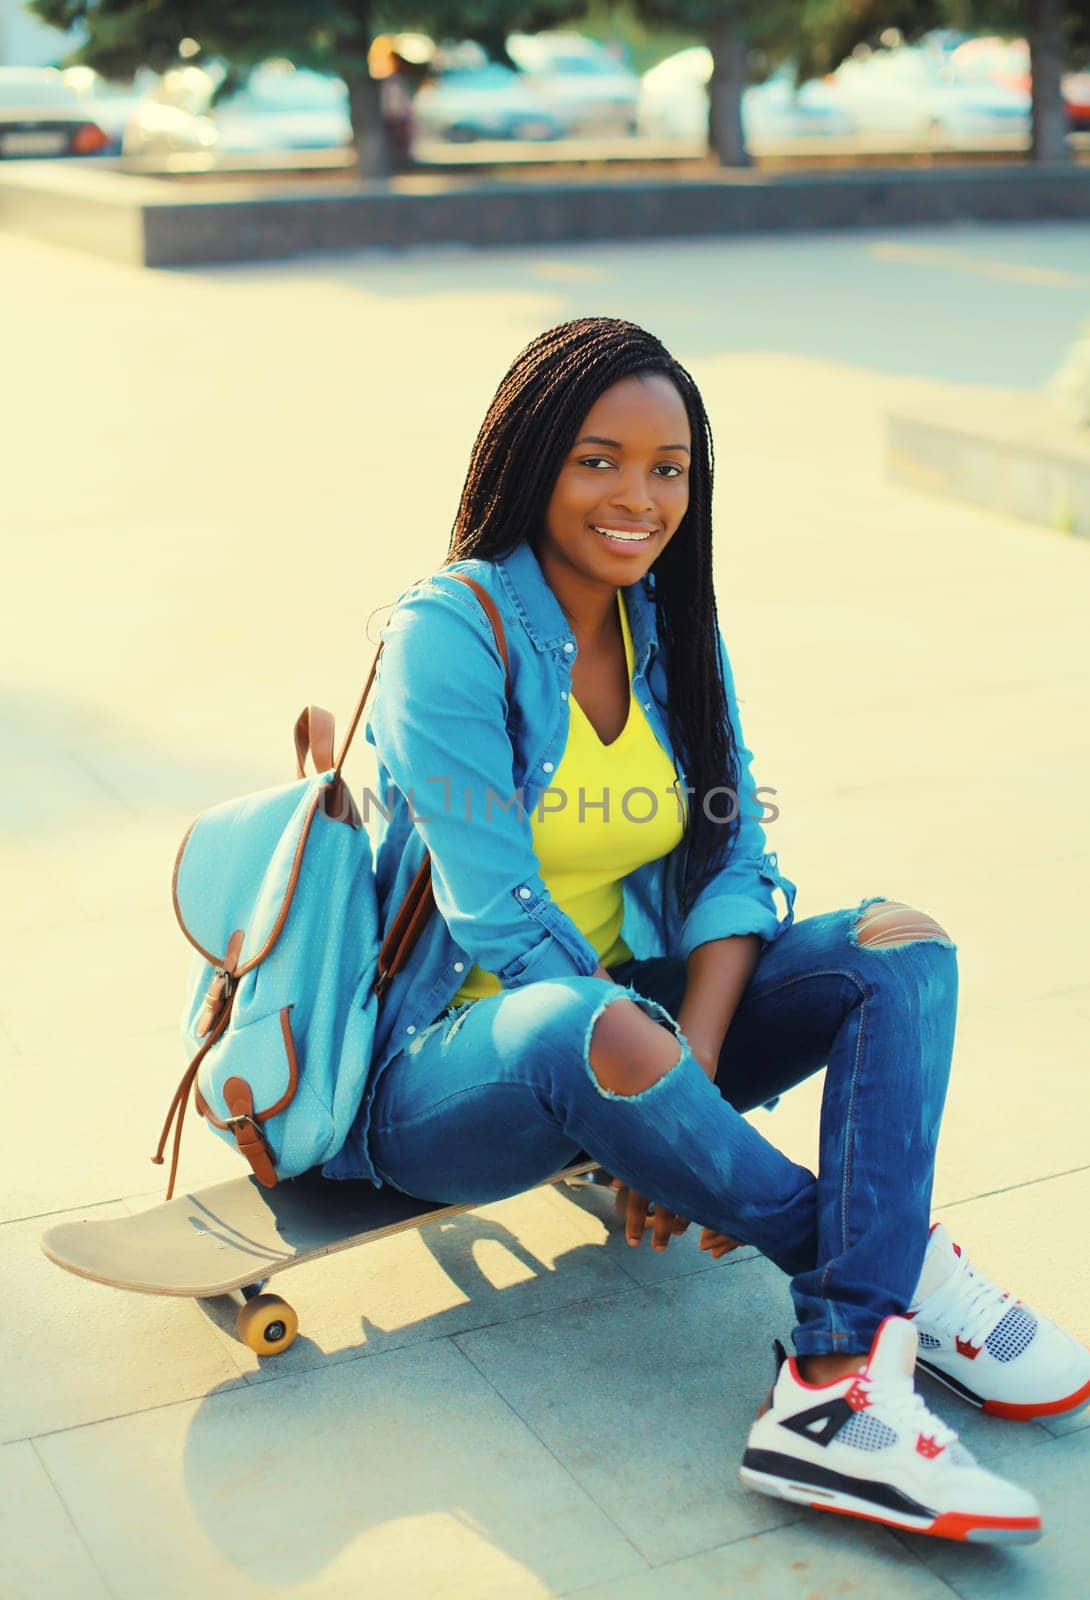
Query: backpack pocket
(251, 1092)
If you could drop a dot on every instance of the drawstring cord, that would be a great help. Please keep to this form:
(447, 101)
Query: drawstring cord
(181, 1100)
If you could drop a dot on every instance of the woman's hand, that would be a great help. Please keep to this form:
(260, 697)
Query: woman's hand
(665, 1224)
(635, 1208)
(718, 1243)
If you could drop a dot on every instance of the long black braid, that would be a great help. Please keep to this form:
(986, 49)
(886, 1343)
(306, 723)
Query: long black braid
(529, 428)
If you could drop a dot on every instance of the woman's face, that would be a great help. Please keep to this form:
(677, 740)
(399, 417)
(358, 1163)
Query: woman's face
(624, 486)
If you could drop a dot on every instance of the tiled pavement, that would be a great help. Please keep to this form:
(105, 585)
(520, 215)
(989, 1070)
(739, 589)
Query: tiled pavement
(513, 1404)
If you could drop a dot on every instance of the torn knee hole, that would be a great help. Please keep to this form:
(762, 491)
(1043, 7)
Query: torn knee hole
(627, 1051)
(889, 923)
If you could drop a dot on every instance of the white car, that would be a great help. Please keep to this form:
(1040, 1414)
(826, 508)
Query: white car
(912, 92)
(583, 83)
(674, 103)
(484, 102)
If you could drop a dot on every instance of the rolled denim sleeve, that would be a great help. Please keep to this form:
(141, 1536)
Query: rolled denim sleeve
(438, 724)
(740, 898)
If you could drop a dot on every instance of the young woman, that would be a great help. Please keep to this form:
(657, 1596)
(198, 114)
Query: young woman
(609, 972)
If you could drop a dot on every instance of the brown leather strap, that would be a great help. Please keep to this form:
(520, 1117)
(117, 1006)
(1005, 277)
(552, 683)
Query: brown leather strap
(489, 607)
(176, 1113)
(239, 1100)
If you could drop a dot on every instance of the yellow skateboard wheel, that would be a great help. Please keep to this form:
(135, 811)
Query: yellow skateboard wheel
(267, 1324)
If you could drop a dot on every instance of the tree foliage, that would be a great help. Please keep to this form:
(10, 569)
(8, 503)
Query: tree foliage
(121, 35)
(488, 22)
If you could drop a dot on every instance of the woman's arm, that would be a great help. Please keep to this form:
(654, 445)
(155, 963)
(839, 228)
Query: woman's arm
(438, 726)
(717, 974)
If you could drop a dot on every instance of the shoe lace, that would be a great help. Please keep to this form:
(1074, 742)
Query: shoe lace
(900, 1405)
(968, 1306)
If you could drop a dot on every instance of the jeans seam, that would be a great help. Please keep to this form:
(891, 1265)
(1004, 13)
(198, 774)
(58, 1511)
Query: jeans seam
(756, 993)
(846, 1177)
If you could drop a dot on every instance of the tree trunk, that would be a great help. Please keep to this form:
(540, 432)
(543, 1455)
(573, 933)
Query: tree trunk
(368, 129)
(1047, 44)
(730, 56)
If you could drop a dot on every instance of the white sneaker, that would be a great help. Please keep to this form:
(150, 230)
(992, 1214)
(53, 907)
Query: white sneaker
(989, 1347)
(867, 1446)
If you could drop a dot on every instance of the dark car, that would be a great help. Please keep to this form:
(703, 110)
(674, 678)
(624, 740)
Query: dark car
(40, 116)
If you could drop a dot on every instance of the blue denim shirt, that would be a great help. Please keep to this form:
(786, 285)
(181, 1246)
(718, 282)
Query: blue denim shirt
(454, 753)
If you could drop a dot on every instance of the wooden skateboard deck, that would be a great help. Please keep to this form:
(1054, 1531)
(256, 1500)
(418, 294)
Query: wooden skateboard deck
(235, 1235)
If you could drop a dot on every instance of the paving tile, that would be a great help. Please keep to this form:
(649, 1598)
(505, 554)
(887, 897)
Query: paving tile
(646, 1400)
(1032, 1241)
(517, 1258)
(405, 1475)
(41, 1554)
(106, 1122)
(78, 1351)
(1074, 1422)
(1016, 1067)
(1053, 1569)
(123, 975)
(816, 1558)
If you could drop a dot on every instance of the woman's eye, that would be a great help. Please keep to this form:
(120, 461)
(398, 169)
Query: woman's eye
(669, 469)
(595, 461)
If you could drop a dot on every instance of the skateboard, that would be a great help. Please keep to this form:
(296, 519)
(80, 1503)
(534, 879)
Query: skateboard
(236, 1235)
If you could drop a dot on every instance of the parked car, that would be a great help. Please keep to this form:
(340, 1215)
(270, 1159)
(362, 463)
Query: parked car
(1007, 61)
(135, 121)
(283, 107)
(483, 102)
(674, 103)
(918, 94)
(41, 117)
(581, 80)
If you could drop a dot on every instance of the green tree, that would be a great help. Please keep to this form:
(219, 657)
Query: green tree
(732, 29)
(1058, 32)
(325, 35)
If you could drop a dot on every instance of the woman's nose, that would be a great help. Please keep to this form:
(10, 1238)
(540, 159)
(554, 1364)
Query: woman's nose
(633, 493)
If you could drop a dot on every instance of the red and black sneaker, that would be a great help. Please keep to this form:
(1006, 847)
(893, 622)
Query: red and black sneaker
(989, 1347)
(867, 1446)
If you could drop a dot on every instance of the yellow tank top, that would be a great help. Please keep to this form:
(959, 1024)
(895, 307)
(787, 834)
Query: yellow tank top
(584, 850)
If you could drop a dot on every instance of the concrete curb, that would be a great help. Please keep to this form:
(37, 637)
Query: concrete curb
(150, 222)
(1009, 452)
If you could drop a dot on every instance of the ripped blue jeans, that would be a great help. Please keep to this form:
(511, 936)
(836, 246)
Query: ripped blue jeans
(498, 1095)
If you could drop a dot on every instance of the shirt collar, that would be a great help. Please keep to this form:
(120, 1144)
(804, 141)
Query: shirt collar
(539, 609)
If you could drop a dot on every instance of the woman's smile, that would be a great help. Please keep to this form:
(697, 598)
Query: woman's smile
(622, 490)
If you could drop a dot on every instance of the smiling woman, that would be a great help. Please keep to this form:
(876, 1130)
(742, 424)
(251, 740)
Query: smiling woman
(610, 976)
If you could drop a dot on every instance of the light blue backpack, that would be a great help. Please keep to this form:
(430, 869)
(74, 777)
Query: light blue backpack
(276, 893)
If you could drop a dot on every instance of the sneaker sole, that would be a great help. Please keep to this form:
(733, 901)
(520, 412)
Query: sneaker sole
(1008, 1408)
(828, 1493)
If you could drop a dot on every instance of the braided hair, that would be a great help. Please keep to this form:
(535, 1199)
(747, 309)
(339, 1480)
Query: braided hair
(528, 430)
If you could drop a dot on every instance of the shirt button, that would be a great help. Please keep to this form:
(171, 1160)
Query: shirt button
(524, 893)
(647, 705)
(563, 694)
(410, 1029)
(568, 648)
(459, 966)
(546, 766)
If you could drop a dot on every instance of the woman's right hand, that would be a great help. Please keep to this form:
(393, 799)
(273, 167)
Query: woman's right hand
(636, 1208)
